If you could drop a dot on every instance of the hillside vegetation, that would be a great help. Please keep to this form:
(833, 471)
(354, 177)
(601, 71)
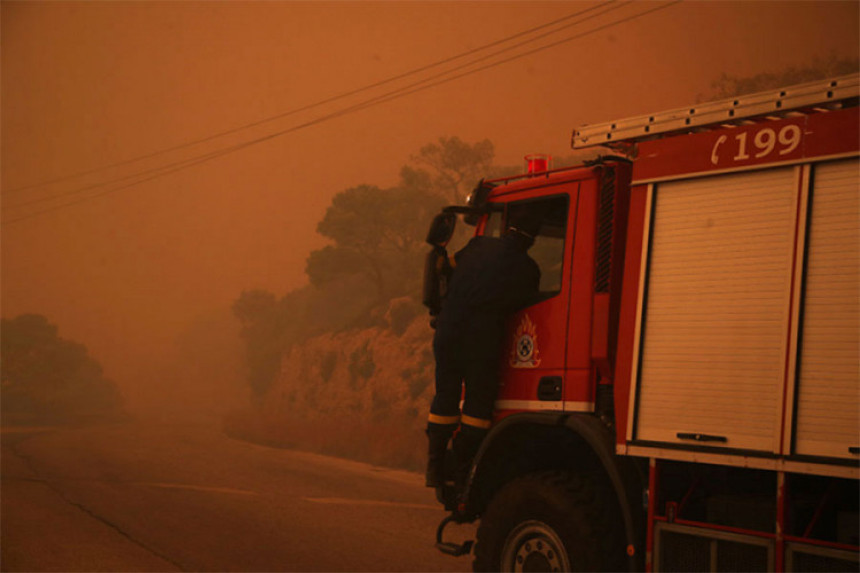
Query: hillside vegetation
(359, 393)
(47, 379)
(344, 365)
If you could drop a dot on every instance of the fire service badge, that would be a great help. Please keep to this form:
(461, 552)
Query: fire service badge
(525, 353)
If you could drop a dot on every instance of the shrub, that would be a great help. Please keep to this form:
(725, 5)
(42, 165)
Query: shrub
(401, 313)
(327, 365)
(361, 365)
(417, 385)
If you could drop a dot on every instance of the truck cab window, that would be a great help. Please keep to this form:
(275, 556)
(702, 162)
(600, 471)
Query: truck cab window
(493, 226)
(548, 248)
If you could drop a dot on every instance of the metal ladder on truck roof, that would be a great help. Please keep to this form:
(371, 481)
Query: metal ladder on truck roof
(827, 94)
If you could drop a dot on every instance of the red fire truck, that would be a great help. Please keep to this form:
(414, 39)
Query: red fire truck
(684, 395)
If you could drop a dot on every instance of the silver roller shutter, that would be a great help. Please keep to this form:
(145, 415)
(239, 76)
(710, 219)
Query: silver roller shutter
(715, 327)
(828, 408)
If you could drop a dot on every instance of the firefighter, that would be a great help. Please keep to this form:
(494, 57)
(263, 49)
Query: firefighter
(492, 278)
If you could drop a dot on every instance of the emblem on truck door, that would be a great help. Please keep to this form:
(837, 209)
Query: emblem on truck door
(525, 353)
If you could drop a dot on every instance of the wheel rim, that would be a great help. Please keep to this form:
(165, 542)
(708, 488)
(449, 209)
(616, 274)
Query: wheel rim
(534, 546)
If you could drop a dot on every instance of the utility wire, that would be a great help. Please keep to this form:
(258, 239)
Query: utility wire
(395, 94)
(312, 105)
(404, 88)
(401, 93)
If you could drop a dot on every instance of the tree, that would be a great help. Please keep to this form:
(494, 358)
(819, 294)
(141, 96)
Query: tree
(48, 378)
(727, 86)
(376, 233)
(457, 166)
(376, 254)
(262, 331)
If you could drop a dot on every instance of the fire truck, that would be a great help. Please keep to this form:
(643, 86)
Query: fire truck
(683, 395)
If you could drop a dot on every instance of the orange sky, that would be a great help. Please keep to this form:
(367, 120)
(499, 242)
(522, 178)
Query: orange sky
(86, 85)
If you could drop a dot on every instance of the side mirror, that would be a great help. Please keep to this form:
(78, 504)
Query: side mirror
(441, 229)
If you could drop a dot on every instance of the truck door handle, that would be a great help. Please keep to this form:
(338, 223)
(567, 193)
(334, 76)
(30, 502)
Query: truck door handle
(701, 437)
(549, 388)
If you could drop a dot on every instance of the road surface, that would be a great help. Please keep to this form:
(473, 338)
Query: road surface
(182, 498)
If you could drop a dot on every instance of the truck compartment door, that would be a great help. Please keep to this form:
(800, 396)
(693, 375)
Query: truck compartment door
(715, 324)
(828, 367)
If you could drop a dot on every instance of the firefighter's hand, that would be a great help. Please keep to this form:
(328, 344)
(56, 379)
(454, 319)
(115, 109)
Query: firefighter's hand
(433, 323)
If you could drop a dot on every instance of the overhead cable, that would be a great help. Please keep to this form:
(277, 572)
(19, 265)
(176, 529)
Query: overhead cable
(362, 105)
(311, 105)
(392, 95)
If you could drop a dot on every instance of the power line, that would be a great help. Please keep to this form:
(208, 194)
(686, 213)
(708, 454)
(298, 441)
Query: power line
(400, 94)
(311, 105)
(395, 94)
(188, 162)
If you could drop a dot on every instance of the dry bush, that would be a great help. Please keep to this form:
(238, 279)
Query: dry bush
(361, 394)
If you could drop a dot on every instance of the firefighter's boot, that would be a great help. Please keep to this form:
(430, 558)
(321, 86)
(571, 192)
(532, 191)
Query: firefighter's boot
(438, 436)
(466, 444)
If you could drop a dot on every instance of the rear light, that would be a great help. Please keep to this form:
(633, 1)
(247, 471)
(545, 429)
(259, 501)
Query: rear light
(537, 163)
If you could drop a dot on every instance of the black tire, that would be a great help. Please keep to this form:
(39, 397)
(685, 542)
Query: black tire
(551, 521)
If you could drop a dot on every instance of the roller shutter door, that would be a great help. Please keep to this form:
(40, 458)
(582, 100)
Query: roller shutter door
(829, 368)
(715, 324)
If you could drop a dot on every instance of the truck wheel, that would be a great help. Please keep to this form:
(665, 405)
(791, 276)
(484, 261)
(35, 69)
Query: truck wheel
(551, 521)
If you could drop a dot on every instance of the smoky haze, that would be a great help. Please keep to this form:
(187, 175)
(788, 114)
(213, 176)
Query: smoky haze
(145, 275)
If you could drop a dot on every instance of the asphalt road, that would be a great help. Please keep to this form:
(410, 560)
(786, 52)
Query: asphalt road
(183, 498)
